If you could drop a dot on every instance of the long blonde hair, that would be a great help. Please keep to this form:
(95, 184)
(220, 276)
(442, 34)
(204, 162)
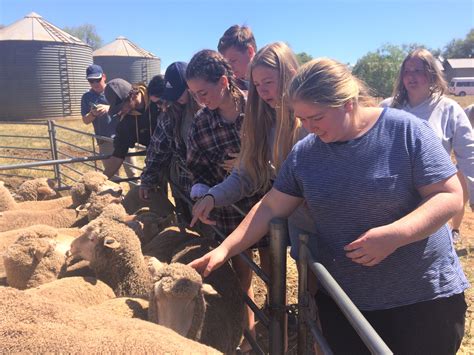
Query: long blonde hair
(326, 82)
(260, 118)
(438, 84)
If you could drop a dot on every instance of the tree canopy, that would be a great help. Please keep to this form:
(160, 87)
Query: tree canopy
(86, 33)
(303, 57)
(460, 48)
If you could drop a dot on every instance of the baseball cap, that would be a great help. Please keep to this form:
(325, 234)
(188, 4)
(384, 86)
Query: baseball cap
(116, 91)
(94, 71)
(175, 82)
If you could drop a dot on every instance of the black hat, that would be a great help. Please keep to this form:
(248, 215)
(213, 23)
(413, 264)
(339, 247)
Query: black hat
(156, 86)
(116, 92)
(175, 81)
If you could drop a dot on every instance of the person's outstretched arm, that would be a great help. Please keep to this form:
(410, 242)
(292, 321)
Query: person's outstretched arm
(253, 227)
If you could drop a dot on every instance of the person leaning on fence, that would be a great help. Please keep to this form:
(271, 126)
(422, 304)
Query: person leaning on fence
(238, 47)
(382, 233)
(167, 149)
(420, 90)
(137, 119)
(94, 109)
(214, 138)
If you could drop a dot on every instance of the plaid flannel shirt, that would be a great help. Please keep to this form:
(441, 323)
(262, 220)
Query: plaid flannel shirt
(164, 153)
(210, 141)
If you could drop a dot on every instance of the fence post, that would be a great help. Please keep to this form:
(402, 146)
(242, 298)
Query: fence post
(277, 294)
(54, 150)
(303, 306)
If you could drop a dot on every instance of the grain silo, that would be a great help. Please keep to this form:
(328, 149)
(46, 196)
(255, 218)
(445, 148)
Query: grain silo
(42, 70)
(124, 59)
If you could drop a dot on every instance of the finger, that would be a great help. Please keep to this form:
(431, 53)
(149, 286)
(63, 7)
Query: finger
(356, 244)
(355, 254)
(363, 259)
(206, 220)
(372, 262)
(194, 220)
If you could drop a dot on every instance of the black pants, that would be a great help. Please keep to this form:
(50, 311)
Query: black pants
(431, 327)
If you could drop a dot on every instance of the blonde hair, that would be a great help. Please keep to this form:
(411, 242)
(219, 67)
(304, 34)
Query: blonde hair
(260, 118)
(327, 82)
(438, 84)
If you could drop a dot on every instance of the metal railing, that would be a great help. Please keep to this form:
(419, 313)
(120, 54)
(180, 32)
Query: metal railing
(363, 328)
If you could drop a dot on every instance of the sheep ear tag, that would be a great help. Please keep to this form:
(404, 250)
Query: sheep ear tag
(111, 243)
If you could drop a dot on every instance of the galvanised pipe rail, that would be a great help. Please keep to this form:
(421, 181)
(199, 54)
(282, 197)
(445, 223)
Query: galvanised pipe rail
(366, 332)
(10, 136)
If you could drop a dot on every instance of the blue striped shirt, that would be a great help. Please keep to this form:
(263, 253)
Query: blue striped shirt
(353, 186)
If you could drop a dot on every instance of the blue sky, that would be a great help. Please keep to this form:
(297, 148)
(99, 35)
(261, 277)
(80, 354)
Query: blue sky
(176, 29)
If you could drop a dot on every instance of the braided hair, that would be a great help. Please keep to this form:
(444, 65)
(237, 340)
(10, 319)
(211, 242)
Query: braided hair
(210, 66)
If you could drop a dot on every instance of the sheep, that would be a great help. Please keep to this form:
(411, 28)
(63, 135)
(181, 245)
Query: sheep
(35, 190)
(59, 218)
(210, 313)
(129, 307)
(40, 325)
(90, 183)
(80, 291)
(114, 253)
(157, 203)
(36, 257)
(8, 203)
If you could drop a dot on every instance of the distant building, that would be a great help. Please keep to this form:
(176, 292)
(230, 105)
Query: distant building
(124, 59)
(458, 68)
(42, 70)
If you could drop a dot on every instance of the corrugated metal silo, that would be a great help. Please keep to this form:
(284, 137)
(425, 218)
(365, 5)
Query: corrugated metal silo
(42, 70)
(124, 59)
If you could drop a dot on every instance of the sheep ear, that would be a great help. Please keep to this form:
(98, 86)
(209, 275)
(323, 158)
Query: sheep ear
(154, 265)
(209, 290)
(83, 208)
(111, 243)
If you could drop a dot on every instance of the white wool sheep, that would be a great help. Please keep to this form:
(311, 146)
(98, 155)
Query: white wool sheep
(80, 291)
(211, 313)
(35, 190)
(31, 324)
(114, 253)
(36, 257)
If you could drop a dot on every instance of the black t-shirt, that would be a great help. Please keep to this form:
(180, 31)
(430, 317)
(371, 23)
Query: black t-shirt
(134, 129)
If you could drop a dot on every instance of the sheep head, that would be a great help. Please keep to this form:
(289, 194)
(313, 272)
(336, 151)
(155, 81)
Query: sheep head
(93, 183)
(36, 189)
(177, 298)
(34, 259)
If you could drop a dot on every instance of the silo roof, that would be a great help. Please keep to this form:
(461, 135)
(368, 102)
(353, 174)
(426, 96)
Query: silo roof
(122, 47)
(34, 28)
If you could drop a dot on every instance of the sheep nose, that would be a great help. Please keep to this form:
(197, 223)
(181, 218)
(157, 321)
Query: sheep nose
(68, 253)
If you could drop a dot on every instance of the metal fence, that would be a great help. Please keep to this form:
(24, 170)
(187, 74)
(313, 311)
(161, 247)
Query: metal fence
(63, 154)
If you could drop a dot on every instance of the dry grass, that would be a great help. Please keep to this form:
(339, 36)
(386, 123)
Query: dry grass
(465, 249)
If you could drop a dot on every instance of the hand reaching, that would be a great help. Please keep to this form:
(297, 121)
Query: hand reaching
(211, 261)
(201, 210)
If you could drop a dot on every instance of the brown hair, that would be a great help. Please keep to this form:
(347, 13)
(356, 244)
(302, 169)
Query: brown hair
(210, 66)
(237, 36)
(438, 84)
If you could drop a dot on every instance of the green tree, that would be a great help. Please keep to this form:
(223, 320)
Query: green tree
(460, 48)
(86, 33)
(303, 57)
(379, 69)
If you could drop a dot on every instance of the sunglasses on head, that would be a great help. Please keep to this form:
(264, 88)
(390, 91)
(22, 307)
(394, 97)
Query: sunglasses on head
(94, 81)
